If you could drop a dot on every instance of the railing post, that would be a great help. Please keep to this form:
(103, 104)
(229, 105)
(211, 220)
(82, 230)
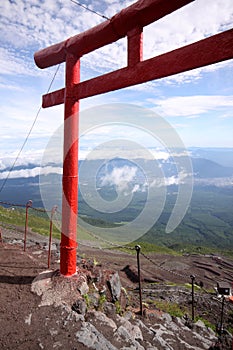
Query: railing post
(192, 278)
(138, 248)
(50, 232)
(221, 320)
(28, 205)
(1, 241)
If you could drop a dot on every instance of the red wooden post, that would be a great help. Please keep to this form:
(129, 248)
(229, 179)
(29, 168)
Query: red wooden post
(135, 46)
(70, 171)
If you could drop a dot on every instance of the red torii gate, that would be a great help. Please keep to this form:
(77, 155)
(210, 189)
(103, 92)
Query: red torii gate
(128, 22)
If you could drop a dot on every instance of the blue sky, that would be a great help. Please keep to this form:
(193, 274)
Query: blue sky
(198, 104)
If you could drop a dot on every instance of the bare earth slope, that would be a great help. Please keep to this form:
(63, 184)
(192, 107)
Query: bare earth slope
(24, 324)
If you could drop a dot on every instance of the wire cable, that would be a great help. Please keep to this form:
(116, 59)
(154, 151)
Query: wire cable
(88, 9)
(12, 204)
(163, 268)
(28, 134)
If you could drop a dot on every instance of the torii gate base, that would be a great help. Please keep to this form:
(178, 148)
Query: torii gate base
(129, 22)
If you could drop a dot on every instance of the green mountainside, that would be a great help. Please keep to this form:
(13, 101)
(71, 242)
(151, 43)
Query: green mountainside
(207, 226)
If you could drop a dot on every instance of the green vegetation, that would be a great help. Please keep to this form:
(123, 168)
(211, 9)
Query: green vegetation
(101, 301)
(207, 227)
(119, 310)
(173, 309)
(189, 286)
(230, 322)
(207, 323)
(87, 300)
(98, 222)
(37, 221)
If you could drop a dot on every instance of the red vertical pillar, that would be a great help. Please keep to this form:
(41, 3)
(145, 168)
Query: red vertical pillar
(135, 46)
(70, 171)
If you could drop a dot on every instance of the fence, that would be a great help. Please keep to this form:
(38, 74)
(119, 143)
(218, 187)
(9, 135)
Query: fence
(28, 206)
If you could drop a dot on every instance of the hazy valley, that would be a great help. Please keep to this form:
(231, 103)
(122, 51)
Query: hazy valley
(207, 224)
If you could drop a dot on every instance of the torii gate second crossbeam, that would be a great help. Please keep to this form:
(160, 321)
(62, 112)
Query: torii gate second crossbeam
(129, 22)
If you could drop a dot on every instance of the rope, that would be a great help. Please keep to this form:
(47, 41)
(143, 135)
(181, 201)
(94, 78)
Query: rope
(28, 134)
(24, 206)
(106, 241)
(88, 9)
(40, 210)
(163, 268)
(13, 204)
(99, 239)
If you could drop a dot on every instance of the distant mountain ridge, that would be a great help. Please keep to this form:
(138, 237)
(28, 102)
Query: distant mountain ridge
(24, 180)
(202, 167)
(222, 156)
(205, 168)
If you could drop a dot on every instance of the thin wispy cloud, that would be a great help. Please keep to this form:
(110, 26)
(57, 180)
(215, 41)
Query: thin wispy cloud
(192, 106)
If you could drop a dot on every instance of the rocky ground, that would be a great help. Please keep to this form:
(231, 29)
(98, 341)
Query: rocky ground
(99, 308)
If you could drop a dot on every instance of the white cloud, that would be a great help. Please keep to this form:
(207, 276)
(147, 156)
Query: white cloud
(113, 6)
(188, 25)
(35, 24)
(159, 154)
(120, 177)
(171, 180)
(192, 105)
(31, 156)
(136, 188)
(31, 172)
(44, 22)
(180, 28)
(195, 75)
(13, 64)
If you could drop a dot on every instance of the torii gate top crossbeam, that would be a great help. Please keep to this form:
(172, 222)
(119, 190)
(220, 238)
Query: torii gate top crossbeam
(208, 51)
(137, 15)
(130, 21)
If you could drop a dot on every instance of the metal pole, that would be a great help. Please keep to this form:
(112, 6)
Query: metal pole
(221, 321)
(50, 233)
(70, 171)
(232, 340)
(28, 205)
(192, 278)
(1, 240)
(138, 248)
